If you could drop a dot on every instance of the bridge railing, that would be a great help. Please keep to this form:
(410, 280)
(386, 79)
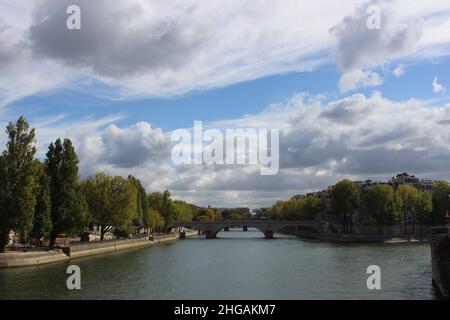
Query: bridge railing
(249, 222)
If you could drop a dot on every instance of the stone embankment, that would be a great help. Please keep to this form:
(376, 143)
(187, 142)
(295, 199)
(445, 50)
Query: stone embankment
(366, 235)
(31, 258)
(440, 259)
(35, 257)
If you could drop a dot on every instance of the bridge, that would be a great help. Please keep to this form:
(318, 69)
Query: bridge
(268, 227)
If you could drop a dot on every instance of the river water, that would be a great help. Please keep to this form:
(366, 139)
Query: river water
(237, 265)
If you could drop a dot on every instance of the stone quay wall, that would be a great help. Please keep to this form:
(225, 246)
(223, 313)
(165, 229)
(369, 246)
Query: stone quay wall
(35, 257)
(440, 259)
(31, 258)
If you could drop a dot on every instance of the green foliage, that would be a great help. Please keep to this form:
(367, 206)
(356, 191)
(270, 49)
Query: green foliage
(236, 214)
(311, 208)
(168, 210)
(408, 197)
(112, 202)
(141, 203)
(185, 211)
(17, 181)
(344, 201)
(208, 214)
(155, 200)
(308, 208)
(42, 222)
(69, 209)
(155, 220)
(441, 202)
(162, 203)
(424, 207)
(382, 204)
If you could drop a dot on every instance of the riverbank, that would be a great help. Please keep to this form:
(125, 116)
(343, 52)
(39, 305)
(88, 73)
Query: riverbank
(35, 257)
(31, 258)
(359, 238)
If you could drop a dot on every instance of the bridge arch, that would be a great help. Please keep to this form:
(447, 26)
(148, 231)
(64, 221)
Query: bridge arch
(267, 227)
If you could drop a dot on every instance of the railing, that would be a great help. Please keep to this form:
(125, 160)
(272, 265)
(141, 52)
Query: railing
(245, 222)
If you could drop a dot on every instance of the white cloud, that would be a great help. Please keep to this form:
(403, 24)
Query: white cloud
(134, 146)
(359, 78)
(154, 48)
(360, 47)
(399, 71)
(148, 48)
(437, 87)
(321, 141)
(355, 137)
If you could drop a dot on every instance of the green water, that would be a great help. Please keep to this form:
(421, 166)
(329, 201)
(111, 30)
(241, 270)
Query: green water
(237, 265)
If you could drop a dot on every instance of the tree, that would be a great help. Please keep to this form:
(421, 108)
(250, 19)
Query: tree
(42, 222)
(142, 203)
(424, 207)
(381, 204)
(296, 209)
(112, 202)
(311, 208)
(408, 197)
(155, 221)
(69, 208)
(208, 214)
(17, 181)
(441, 202)
(344, 200)
(168, 209)
(155, 200)
(185, 211)
(276, 212)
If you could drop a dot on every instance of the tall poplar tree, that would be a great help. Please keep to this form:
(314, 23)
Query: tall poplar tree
(42, 222)
(69, 208)
(17, 181)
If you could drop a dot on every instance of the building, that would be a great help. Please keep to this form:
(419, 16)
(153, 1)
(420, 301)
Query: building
(406, 179)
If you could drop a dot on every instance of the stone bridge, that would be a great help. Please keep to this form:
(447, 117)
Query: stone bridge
(268, 227)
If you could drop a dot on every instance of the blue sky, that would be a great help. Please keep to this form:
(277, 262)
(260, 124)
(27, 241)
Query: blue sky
(234, 101)
(350, 101)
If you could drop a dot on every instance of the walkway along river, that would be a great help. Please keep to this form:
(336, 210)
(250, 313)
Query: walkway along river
(236, 265)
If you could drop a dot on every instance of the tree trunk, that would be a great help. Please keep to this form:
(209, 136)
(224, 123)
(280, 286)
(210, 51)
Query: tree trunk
(344, 222)
(351, 222)
(102, 233)
(404, 220)
(4, 237)
(52, 242)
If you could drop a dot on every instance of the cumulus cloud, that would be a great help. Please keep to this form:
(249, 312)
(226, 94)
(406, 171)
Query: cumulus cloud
(356, 137)
(437, 87)
(155, 48)
(321, 142)
(359, 78)
(134, 146)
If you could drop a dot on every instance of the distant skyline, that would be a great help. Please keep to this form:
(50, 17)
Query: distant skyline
(350, 102)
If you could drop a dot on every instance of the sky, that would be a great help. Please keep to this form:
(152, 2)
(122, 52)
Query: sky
(350, 101)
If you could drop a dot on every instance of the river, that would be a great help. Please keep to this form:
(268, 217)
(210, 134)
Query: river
(237, 265)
